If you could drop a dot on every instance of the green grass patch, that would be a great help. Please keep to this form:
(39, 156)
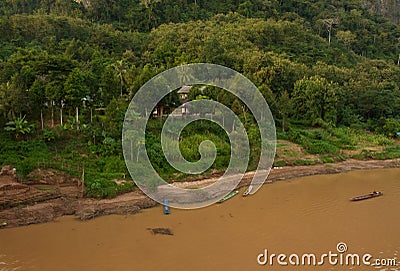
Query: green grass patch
(305, 162)
(280, 163)
(327, 160)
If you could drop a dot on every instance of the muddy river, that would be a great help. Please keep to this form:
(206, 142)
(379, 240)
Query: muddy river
(297, 219)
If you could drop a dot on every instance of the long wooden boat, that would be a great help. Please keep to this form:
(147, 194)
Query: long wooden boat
(368, 196)
(229, 196)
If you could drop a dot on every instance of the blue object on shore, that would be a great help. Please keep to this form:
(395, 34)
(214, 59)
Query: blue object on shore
(166, 207)
(398, 133)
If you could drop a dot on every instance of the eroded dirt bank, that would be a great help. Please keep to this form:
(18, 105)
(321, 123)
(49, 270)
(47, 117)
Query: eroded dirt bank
(66, 199)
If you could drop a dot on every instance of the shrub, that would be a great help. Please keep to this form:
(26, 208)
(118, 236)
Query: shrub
(301, 162)
(114, 164)
(381, 140)
(294, 136)
(125, 187)
(23, 155)
(327, 160)
(318, 122)
(320, 147)
(391, 127)
(319, 134)
(48, 134)
(280, 163)
(365, 154)
(101, 188)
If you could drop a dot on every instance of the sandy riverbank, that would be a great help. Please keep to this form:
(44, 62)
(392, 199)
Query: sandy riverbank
(133, 202)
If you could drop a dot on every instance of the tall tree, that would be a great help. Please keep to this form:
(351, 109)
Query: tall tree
(329, 24)
(314, 97)
(284, 106)
(120, 70)
(347, 37)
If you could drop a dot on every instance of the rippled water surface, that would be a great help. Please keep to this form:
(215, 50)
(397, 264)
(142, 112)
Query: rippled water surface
(305, 215)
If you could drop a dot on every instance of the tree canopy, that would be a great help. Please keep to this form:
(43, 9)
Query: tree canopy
(335, 60)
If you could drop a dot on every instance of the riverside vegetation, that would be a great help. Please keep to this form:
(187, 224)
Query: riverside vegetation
(68, 69)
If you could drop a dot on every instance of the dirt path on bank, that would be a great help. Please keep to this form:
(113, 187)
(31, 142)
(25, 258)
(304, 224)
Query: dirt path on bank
(70, 204)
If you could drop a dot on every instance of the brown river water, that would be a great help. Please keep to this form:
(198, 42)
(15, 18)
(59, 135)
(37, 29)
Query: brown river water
(298, 216)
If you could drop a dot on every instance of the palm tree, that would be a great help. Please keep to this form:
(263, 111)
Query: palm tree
(120, 70)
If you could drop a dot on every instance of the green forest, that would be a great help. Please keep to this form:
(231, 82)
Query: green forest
(329, 70)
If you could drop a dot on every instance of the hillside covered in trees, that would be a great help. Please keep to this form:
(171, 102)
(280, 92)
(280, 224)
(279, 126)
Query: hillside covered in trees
(69, 68)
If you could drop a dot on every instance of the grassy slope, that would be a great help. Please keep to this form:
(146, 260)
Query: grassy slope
(296, 147)
(305, 147)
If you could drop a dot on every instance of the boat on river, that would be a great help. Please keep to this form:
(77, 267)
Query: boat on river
(166, 207)
(248, 190)
(368, 196)
(229, 196)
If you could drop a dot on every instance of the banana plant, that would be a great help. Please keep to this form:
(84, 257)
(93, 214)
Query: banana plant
(19, 127)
